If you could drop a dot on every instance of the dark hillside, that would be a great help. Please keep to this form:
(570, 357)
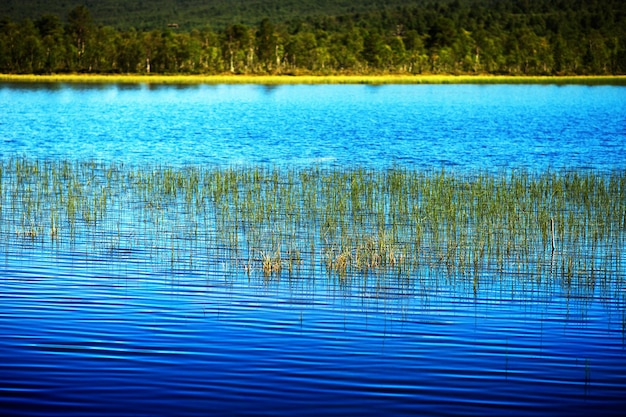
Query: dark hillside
(188, 14)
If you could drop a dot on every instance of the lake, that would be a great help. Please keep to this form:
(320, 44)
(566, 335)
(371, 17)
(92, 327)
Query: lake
(465, 127)
(136, 222)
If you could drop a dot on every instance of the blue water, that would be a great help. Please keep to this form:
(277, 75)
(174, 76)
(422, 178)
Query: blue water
(464, 127)
(89, 334)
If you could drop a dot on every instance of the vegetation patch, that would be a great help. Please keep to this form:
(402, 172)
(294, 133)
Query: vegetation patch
(506, 37)
(568, 227)
(311, 79)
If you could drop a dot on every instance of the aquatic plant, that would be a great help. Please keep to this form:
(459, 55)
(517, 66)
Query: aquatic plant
(566, 226)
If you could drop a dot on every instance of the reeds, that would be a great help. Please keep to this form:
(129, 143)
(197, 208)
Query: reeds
(346, 223)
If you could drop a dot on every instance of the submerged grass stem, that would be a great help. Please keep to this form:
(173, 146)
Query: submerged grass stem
(354, 222)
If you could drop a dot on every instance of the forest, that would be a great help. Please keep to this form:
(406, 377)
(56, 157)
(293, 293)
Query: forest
(192, 14)
(511, 37)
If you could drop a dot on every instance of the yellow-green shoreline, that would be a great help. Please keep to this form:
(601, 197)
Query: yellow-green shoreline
(312, 79)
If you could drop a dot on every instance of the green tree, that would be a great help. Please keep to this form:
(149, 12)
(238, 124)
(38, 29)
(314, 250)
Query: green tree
(597, 56)
(376, 52)
(398, 53)
(20, 47)
(489, 53)
(238, 48)
(267, 46)
(102, 54)
(442, 33)
(346, 48)
(211, 53)
(51, 33)
(129, 52)
(300, 49)
(417, 58)
(79, 27)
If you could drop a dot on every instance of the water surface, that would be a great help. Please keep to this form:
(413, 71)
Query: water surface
(422, 126)
(88, 330)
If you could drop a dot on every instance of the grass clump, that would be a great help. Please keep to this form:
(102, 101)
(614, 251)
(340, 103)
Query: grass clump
(347, 223)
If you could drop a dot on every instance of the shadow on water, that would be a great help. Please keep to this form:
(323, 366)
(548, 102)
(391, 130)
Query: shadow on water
(270, 89)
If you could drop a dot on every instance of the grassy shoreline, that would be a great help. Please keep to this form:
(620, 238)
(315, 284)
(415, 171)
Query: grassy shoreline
(310, 79)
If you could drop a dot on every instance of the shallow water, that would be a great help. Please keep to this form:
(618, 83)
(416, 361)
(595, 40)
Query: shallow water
(91, 330)
(79, 340)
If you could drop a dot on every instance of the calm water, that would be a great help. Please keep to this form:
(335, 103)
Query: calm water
(114, 333)
(462, 127)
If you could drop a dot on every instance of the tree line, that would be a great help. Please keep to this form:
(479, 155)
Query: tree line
(515, 37)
